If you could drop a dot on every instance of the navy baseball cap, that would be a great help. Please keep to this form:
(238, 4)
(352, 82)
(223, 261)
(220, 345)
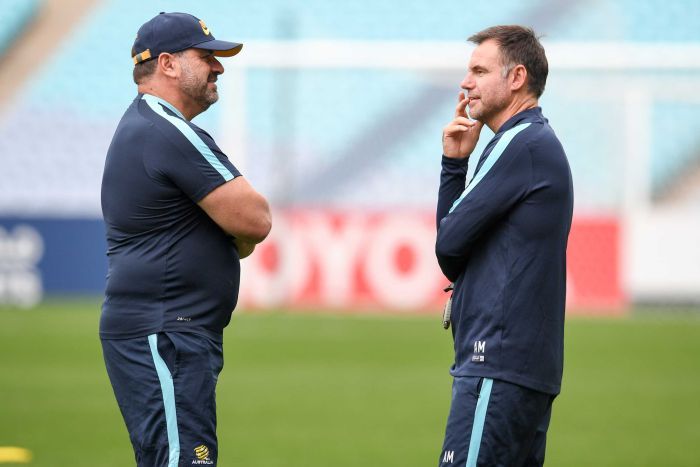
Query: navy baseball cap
(173, 32)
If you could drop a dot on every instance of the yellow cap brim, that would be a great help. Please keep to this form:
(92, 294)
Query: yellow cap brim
(229, 52)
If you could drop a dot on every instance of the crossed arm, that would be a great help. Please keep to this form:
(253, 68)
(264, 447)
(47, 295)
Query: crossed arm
(241, 212)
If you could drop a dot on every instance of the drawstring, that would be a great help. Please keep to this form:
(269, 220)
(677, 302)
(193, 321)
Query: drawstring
(447, 311)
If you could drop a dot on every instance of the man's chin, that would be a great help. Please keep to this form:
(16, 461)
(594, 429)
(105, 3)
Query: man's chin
(212, 97)
(205, 103)
(209, 99)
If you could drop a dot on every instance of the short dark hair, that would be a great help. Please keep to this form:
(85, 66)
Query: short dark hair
(143, 70)
(519, 46)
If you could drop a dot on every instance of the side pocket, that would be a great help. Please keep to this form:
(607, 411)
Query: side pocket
(478, 388)
(168, 352)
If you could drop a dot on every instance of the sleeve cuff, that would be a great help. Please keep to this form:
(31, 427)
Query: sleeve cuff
(456, 163)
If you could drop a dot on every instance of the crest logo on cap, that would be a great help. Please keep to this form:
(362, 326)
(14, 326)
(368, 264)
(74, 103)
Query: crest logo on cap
(204, 27)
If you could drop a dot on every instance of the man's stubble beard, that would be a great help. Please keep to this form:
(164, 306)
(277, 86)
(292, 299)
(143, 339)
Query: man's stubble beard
(487, 112)
(497, 103)
(196, 89)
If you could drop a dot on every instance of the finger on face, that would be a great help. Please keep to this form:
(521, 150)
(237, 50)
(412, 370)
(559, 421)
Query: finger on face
(455, 128)
(464, 121)
(460, 111)
(476, 125)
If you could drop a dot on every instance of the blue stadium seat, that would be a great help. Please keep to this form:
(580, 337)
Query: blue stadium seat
(61, 125)
(14, 17)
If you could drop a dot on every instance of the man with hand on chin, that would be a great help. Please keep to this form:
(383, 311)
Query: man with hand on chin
(502, 242)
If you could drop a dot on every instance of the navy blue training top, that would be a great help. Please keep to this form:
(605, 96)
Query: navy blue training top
(502, 241)
(171, 267)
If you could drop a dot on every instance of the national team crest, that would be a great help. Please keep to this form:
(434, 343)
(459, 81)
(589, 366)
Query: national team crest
(204, 27)
(202, 453)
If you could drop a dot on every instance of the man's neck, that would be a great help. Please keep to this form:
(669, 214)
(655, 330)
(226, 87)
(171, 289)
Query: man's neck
(173, 98)
(516, 106)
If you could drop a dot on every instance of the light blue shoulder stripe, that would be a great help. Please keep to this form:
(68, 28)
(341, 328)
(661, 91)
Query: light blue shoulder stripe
(496, 153)
(479, 419)
(189, 133)
(168, 389)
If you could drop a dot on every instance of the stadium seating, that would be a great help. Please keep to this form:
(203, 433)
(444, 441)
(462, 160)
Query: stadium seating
(14, 17)
(377, 126)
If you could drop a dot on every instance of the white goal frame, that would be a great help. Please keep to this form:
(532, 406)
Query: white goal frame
(659, 247)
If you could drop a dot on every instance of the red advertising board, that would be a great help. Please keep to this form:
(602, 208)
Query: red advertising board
(364, 261)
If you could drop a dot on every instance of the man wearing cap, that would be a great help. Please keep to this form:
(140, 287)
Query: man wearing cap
(178, 217)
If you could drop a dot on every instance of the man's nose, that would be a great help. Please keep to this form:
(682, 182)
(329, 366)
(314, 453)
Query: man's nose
(217, 67)
(467, 82)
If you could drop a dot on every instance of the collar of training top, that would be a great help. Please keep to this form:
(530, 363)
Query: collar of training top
(531, 115)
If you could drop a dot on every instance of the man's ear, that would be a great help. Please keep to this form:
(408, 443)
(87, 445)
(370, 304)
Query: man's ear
(168, 65)
(518, 78)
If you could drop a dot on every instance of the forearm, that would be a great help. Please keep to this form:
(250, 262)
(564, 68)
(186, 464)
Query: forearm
(239, 210)
(456, 236)
(452, 267)
(251, 222)
(452, 180)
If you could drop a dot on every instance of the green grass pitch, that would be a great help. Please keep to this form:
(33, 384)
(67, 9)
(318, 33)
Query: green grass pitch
(306, 390)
